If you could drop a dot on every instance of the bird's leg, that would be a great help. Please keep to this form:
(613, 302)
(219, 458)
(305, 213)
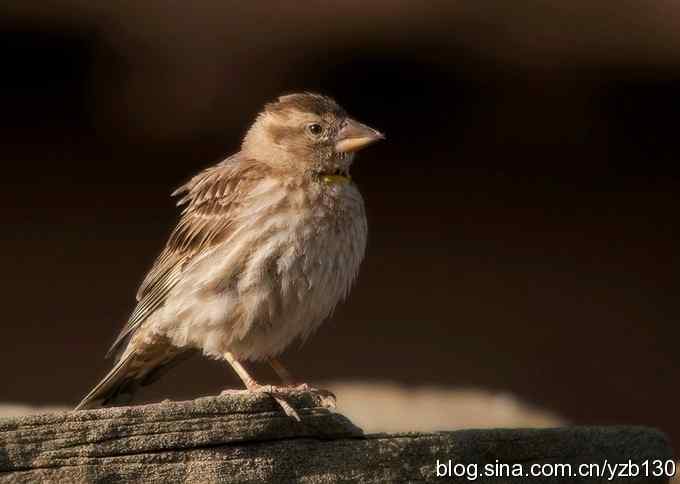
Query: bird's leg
(288, 380)
(283, 373)
(242, 373)
(253, 386)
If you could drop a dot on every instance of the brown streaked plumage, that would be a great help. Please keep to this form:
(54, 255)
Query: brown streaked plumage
(268, 242)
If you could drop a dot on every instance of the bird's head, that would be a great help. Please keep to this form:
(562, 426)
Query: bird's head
(309, 133)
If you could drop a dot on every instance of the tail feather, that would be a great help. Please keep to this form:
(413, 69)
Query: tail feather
(135, 368)
(116, 382)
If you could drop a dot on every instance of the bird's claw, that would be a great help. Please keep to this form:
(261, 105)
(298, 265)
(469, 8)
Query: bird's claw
(277, 394)
(326, 397)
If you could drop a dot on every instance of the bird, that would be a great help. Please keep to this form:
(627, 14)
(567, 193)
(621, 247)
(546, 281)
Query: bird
(268, 242)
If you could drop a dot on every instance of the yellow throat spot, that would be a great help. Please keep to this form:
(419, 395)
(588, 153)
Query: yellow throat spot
(336, 179)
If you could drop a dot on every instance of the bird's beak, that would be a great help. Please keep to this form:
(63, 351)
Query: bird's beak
(354, 136)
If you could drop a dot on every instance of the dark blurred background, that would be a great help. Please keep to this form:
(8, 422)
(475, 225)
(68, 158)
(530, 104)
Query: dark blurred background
(523, 212)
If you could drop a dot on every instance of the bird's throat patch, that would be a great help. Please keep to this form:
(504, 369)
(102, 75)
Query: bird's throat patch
(336, 179)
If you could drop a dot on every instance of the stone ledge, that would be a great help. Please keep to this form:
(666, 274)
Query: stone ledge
(243, 437)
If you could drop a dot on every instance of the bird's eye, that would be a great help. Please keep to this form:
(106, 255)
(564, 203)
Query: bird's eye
(314, 128)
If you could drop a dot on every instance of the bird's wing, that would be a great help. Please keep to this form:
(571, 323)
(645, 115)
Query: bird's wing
(205, 221)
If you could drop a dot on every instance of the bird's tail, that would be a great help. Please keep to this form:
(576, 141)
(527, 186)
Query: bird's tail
(132, 370)
(119, 382)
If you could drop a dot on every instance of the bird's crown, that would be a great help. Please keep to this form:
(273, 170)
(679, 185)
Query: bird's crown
(306, 102)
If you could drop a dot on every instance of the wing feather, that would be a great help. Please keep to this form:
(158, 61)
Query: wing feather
(209, 197)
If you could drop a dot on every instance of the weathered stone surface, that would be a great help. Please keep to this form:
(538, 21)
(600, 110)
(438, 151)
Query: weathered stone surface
(245, 437)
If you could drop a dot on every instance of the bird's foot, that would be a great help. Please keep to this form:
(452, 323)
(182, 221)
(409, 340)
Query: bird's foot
(326, 397)
(278, 394)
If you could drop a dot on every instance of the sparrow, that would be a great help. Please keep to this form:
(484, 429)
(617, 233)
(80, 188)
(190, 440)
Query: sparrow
(269, 241)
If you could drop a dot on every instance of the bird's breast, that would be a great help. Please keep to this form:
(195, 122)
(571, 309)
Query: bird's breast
(302, 267)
